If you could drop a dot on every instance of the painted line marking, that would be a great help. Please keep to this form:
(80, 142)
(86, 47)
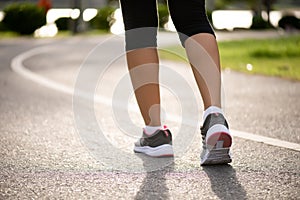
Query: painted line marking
(18, 67)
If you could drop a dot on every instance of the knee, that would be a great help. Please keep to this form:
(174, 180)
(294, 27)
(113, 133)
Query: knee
(141, 38)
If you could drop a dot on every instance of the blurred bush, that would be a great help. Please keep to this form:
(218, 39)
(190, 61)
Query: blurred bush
(23, 18)
(63, 23)
(163, 14)
(289, 22)
(209, 15)
(259, 23)
(2, 27)
(104, 19)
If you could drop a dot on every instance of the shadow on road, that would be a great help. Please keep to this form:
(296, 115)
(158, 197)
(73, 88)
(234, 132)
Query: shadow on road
(154, 185)
(224, 182)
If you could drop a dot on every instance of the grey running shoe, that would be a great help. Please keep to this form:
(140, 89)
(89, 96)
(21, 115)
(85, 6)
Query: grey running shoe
(159, 144)
(216, 140)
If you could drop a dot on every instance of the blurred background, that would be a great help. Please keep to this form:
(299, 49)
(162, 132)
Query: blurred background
(75, 16)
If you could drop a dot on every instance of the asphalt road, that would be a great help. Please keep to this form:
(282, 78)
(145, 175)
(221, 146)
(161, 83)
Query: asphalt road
(61, 146)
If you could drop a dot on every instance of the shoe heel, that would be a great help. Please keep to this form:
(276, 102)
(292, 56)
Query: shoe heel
(219, 140)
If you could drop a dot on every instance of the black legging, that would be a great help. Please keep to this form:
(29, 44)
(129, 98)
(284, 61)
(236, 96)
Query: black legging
(141, 22)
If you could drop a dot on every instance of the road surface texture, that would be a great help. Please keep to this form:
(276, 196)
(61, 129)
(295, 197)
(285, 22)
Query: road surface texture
(59, 145)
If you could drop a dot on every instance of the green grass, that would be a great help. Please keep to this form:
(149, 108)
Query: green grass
(8, 34)
(272, 57)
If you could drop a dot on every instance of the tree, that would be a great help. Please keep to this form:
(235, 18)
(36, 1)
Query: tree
(268, 4)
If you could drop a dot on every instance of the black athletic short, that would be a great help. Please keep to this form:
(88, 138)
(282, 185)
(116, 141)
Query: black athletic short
(141, 21)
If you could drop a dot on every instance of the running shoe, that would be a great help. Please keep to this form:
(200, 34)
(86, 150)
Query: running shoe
(159, 144)
(216, 140)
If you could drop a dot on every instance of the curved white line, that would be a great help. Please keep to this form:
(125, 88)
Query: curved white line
(18, 67)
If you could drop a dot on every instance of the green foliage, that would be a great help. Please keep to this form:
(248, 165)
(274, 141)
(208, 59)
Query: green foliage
(287, 22)
(220, 4)
(63, 23)
(209, 16)
(259, 23)
(163, 14)
(103, 20)
(24, 18)
(2, 27)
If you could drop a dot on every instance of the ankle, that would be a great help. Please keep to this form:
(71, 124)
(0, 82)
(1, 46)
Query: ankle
(212, 109)
(149, 130)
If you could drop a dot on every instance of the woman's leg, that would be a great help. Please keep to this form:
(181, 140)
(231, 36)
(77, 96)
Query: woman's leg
(143, 66)
(140, 19)
(203, 54)
(198, 38)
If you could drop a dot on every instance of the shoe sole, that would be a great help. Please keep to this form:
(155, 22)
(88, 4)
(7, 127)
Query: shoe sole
(216, 156)
(165, 150)
(218, 149)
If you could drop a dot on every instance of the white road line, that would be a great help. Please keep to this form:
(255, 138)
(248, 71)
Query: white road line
(266, 140)
(18, 67)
